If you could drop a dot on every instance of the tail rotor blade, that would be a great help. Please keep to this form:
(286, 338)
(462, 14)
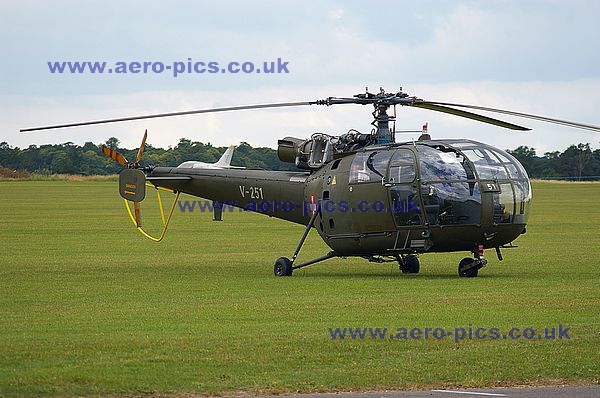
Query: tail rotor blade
(138, 214)
(115, 155)
(141, 150)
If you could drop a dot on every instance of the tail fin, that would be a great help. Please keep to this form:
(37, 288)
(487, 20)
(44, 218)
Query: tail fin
(225, 160)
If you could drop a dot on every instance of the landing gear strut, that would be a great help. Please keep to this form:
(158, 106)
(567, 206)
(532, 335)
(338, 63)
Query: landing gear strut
(469, 267)
(284, 266)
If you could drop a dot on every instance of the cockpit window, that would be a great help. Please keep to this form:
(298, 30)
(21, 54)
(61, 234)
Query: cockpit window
(438, 165)
(523, 201)
(515, 168)
(487, 165)
(369, 166)
(512, 169)
(452, 203)
(402, 167)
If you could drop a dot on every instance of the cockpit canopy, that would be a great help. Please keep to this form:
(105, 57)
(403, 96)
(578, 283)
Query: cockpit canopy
(451, 176)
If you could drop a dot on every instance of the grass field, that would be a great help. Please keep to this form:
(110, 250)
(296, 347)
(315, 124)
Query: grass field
(89, 307)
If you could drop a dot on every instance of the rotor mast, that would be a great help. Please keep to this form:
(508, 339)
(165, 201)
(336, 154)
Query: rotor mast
(383, 133)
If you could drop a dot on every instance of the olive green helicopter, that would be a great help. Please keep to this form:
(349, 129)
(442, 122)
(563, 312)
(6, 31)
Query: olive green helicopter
(366, 194)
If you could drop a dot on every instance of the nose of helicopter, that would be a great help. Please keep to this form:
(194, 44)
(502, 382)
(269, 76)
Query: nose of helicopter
(467, 182)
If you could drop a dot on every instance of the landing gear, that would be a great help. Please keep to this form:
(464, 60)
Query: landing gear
(284, 266)
(469, 267)
(217, 211)
(409, 264)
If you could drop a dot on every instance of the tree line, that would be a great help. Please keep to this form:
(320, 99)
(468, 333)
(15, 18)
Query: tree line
(69, 158)
(577, 162)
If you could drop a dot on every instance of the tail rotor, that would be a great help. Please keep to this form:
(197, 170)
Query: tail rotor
(132, 181)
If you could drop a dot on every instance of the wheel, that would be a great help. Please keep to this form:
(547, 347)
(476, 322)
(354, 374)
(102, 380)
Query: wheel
(283, 267)
(467, 273)
(410, 265)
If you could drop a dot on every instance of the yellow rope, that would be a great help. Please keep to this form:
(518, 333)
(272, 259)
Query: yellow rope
(160, 206)
(162, 214)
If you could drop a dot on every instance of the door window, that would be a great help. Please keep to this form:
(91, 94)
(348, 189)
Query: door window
(369, 166)
(452, 203)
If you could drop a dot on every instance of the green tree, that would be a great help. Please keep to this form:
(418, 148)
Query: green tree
(574, 161)
(112, 143)
(577, 161)
(528, 158)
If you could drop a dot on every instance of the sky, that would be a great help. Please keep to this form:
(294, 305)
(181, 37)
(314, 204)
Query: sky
(540, 57)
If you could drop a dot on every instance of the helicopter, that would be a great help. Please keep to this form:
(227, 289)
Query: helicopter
(366, 195)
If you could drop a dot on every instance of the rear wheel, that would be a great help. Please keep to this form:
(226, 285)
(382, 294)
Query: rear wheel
(283, 267)
(410, 265)
(466, 268)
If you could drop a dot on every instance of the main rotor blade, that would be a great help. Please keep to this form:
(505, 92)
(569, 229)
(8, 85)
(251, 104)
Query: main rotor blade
(159, 115)
(141, 150)
(115, 155)
(525, 115)
(469, 115)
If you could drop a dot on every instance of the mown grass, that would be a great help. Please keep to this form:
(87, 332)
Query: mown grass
(26, 176)
(89, 307)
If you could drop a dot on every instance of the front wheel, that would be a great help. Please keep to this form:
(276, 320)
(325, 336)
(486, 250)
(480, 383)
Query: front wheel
(466, 268)
(283, 267)
(410, 265)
